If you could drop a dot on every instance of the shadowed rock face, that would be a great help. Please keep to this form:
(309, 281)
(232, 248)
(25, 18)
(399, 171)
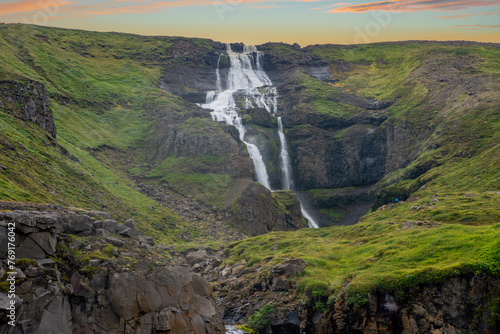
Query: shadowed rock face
(29, 102)
(320, 160)
(258, 212)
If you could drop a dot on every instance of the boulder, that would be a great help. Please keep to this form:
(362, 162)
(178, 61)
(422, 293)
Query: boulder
(130, 233)
(115, 241)
(108, 225)
(147, 240)
(47, 241)
(130, 223)
(47, 265)
(77, 224)
(29, 249)
(196, 257)
(290, 267)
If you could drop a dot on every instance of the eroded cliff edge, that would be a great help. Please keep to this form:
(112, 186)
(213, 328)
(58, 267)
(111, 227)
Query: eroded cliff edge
(81, 272)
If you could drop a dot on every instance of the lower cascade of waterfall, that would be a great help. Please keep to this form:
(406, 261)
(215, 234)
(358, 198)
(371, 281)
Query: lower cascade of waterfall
(230, 329)
(286, 168)
(247, 78)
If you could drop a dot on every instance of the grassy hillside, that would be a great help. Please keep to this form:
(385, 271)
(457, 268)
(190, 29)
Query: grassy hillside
(103, 91)
(394, 256)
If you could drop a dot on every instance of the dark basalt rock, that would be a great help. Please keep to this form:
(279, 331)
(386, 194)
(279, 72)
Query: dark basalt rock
(320, 160)
(55, 297)
(27, 100)
(257, 212)
(237, 47)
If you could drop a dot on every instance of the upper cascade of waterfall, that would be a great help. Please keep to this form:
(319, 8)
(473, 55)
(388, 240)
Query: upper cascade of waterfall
(247, 82)
(245, 79)
(245, 71)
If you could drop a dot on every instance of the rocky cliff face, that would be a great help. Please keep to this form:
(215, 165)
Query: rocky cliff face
(27, 100)
(461, 304)
(101, 277)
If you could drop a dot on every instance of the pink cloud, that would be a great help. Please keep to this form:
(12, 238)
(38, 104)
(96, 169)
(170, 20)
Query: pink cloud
(414, 5)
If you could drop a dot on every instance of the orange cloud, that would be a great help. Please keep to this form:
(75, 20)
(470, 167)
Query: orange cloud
(414, 5)
(29, 6)
(116, 7)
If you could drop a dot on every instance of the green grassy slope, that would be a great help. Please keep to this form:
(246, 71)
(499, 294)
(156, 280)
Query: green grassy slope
(103, 90)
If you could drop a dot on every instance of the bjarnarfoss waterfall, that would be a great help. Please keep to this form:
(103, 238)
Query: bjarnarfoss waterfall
(246, 78)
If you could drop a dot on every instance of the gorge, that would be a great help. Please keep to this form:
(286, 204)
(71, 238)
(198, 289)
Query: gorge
(138, 171)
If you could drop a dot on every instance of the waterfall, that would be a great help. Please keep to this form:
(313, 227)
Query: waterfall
(286, 169)
(242, 78)
(246, 77)
(218, 82)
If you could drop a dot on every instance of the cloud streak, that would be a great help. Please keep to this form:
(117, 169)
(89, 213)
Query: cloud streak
(466, 16)
(489, 26)
(30, 6)
(414, 6)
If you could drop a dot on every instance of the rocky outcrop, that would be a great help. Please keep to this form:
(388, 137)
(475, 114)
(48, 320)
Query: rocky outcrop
(75, 274)
(281, 56)
(193, 135)
(244, 289)
(27, 100)
(257, 211)
(458, 305)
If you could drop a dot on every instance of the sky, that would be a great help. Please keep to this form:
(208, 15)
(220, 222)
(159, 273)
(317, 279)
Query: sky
(258, 21)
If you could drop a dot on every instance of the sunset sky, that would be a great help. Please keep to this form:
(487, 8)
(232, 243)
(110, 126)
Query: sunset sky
(259, 21)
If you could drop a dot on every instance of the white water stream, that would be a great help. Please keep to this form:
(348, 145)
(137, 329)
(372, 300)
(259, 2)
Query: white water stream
(246, 77)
